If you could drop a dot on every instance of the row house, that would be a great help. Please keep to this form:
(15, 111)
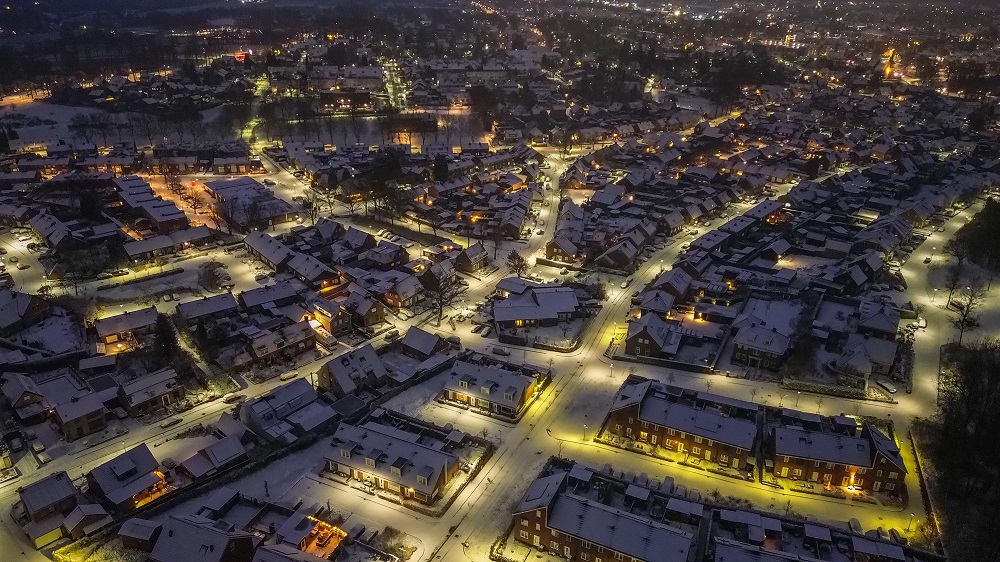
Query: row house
(491, 389)
(391, 459)
(869, 461)
(669, 417)
(550, 518)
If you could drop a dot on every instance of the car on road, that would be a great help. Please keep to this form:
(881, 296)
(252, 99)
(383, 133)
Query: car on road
(886, 385)
(289, 375)
(23, 266)
(269, 181)
(234, 398)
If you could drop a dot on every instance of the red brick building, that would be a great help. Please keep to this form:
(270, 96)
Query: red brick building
(551, 519)
(706, 426)
(869, 461)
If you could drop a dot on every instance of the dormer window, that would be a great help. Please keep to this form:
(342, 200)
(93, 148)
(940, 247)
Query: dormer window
(370, 462)
(508, 397)
(422, 480)
(345, 453)
(463, 384)
(485, 390)
(396, 471)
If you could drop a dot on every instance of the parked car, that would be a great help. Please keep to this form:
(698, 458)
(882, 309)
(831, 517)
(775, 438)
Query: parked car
(886, 385)
(478, 328)
(234, 398)
(486, 332)
(37, 446)
(927, 259)
(173, 421)
(16, 444)
(269, 181)
(44, 458)
(502, 351)
(392, 335)
(289, 375)
(627, 282)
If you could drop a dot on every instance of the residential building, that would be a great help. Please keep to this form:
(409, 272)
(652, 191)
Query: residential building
(80, 416)
(150, 393)
(392, 460)
(489, 388)
(193, 538)
(550, 518)
(127, 326)
(129, 480)
(700, 425)
(360, 369)
(868, 460)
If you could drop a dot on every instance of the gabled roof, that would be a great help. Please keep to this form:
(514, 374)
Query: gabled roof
(192, 538)
(127, 474)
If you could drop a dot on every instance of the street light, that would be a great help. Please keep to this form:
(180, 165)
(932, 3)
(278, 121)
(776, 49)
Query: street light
(585, 435)
(611, 374)
(910, 523)
(798, 394)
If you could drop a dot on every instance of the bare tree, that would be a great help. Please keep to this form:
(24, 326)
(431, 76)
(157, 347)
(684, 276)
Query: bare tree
(196, 202)
(953, 279)
(357, 123)
(969, 300)
(441, 297)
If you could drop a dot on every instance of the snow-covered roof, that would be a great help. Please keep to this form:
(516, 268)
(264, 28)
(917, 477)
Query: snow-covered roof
(192, 538)
(48, 491)
(126, 322)
(127, 474)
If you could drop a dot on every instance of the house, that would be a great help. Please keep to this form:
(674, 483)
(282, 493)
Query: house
(350, 372)
(221, 455)
(268, 415)
(267, 249)
(283, 553)
(392, 460)
(129, 480)
(365, 311)
(53, 494)
(543, 305)
(561, 249)
(489, 388)
(331, 316)
(43, 506)
(472, 259)
(214, 307)
(153, 392)
(126, 326)
(551, 518)
(279, 294)
(420, 344)
(20, 310)
(757, 345)
(870, 461)
(311, 271)
(80, 416)
(652, 336)
(192, 538)
(140, 534)
(702, 426)
(25, 397)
